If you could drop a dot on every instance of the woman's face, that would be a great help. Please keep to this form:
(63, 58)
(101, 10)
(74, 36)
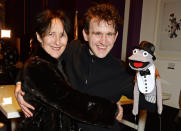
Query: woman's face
(55, 39)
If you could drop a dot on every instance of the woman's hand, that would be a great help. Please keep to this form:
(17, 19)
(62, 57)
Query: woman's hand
(120, 112)
(23, 104)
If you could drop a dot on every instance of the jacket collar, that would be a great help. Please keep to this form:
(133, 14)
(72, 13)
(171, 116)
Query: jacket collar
(41, 53)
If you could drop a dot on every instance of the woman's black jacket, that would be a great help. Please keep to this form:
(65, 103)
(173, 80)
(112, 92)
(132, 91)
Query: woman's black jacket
(47, 90)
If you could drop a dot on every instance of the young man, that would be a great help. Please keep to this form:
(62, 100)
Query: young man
(90, 68)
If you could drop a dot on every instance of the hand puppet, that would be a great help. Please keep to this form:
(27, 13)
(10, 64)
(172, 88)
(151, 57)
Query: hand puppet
(147, 88)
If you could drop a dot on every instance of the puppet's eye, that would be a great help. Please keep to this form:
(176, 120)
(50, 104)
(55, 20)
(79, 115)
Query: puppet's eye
(135, 51)
(145, 53)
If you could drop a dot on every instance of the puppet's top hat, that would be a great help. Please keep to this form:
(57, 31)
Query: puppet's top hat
(147, 46)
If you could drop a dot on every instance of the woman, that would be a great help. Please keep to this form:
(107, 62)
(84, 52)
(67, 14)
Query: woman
(47, 89)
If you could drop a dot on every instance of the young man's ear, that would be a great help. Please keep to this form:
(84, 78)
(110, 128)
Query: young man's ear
(38, 37)
(85, 35)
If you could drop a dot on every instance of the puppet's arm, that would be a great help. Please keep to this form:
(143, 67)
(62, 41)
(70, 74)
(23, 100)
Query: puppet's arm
(136, 99)
(159, 96)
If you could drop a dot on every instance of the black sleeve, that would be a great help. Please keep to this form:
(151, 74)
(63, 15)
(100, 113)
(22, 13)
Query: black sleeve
(43, 83)
(127, 83)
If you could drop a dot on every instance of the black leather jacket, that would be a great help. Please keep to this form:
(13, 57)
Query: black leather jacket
(50, 94)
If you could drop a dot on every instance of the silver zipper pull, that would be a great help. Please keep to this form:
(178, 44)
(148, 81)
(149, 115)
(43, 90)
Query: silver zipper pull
(86, 82)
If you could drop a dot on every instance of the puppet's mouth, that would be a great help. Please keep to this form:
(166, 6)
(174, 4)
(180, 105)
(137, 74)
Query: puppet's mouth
(138, 64)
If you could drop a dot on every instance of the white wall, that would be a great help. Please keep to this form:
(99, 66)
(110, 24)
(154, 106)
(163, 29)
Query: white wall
(148, 20)
(171, 78)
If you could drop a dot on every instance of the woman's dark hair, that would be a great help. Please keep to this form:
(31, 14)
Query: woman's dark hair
(43, 21)
(102, 12)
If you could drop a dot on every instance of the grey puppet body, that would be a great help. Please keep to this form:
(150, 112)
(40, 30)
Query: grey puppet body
(147, 79)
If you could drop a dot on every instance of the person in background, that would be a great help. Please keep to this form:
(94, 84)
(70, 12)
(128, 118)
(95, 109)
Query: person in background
(89, 66)
(48, 91)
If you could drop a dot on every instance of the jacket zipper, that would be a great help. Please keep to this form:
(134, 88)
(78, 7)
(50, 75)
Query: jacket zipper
(89, 73)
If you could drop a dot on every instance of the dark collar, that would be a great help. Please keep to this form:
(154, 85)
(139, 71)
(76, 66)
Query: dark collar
(44, 55)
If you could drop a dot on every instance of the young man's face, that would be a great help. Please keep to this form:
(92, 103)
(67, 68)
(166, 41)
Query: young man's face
(101, 37)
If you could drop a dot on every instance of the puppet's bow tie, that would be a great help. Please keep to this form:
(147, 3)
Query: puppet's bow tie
(144, 73)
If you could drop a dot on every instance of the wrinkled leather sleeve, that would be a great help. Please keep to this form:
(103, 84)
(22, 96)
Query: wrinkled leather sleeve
(48, 86)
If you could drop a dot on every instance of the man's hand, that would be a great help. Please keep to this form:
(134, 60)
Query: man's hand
(120, 113)
(23, 104)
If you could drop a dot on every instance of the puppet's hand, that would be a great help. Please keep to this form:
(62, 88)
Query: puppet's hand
(160, 110)
(135, 111)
